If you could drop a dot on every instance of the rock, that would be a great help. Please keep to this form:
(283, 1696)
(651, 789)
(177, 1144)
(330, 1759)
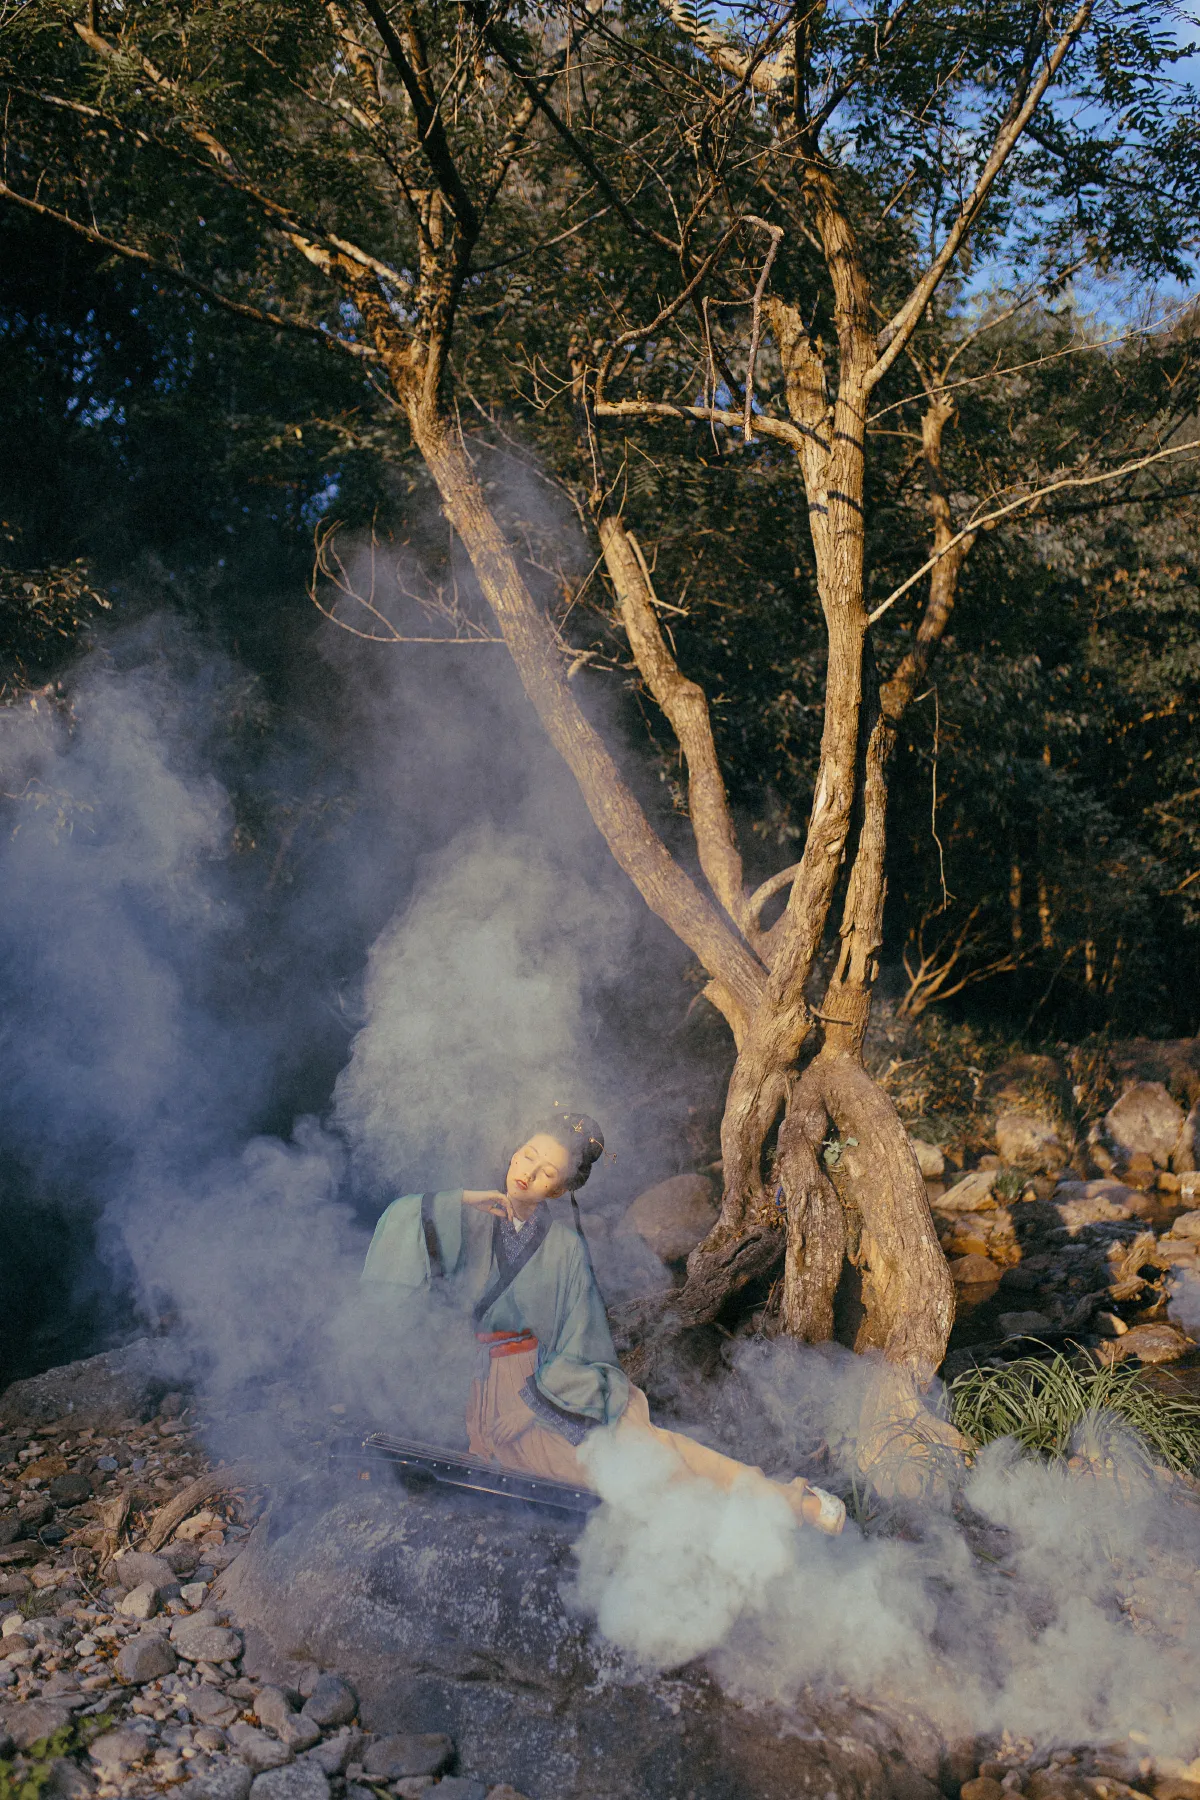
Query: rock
(136, 1569)
(1146, 1119)
(459, 1787)
(35, 1512)
(67, 1781)
(971, 1194)
(974, 1271)
(139, 1603)
(336, 1753)
(1025, 1324)
(1028, 1142)
(209, 1706)
(1080, 1203)
(1149, 1343)
(70, 1489)
(984, 1787)
(448, 1623)
(272, 1708)
(144, 1658)
(201, 1639)
(15, 1625)
(102, 1391)
(930, 1160)
(332, 1702)
(504, 1792)
(224, 1780)
(409, 1753)
(194, 1593)
(182, 1557)
(672, 1217)
(1187, 1225)
(258, 1750)
(1189, 1186)
(116, 1751)
(302, 1781)
(35, 1720)
(1185, 1152)
(276, 1712)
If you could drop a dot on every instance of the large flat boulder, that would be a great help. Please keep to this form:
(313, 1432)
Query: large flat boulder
(99, 1391)
(448, 1615)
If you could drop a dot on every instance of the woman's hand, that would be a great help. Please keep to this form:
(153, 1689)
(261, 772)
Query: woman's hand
(489, 1199)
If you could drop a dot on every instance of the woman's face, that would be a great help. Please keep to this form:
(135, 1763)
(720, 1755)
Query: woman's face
(539, 1170)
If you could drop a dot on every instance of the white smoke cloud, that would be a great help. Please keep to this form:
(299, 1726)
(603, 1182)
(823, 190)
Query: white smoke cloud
(1079, 1624)
(478, 998)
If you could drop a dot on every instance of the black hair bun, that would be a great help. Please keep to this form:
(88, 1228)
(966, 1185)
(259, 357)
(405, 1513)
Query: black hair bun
(583, 1141)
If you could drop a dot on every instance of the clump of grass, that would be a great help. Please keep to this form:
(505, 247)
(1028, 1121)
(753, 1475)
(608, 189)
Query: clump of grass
(1048, 1407)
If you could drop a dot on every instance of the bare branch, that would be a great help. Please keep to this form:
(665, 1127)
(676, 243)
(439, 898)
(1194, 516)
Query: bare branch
(988, 520)
(776, 232)
(763, 425)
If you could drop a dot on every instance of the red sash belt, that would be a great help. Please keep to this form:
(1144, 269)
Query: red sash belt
(507, 1343)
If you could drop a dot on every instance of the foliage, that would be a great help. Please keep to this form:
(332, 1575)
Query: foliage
(29, 1778)
(1055, 1407)
(162, 432)
(42, 612)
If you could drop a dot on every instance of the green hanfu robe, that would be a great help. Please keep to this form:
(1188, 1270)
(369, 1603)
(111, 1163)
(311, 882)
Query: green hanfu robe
(577, 1382)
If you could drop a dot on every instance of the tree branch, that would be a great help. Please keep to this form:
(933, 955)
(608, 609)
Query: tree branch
(895, 336)
(143, 259)
(988, 520)
(430, 128)
(763, 424)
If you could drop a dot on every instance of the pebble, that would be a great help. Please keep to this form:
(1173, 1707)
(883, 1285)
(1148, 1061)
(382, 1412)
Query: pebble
(331, 1702)
(210, 1706)
(144, 1658)
(258, 1749)
(275, 1710)
(336, 1753)
(68, 1781)
(114, 1751)
(140, 1602)
(201, 1639)
(409, 1753)
(35, 1720)
(225, 1780)
(300, 1781)
(193, 1593)
(137, 1569)
(70, 1489)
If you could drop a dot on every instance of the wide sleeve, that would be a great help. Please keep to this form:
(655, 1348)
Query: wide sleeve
(398, 1256)
(581, 1373)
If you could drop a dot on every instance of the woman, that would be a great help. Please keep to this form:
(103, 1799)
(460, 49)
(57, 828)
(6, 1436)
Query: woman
(552, 1375)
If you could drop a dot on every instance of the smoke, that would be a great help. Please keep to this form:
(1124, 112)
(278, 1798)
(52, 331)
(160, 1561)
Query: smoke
(479, 1002)
(238, 1051)
(1077, 1624)
(265, 969)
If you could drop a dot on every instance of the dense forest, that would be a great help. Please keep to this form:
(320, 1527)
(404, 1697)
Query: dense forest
(547, 327)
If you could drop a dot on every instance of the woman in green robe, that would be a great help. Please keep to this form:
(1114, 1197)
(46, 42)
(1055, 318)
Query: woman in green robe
(526, 1281)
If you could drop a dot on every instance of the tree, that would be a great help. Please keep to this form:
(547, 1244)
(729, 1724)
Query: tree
(834, 174)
